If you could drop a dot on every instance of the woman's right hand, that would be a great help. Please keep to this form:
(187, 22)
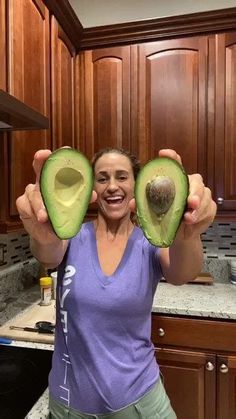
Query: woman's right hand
(31, 208)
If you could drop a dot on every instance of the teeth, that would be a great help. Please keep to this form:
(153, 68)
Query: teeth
(114, 199)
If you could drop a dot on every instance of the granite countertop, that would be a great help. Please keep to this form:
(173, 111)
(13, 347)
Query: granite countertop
(217, 301)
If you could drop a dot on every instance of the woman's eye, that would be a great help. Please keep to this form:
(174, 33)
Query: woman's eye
(101, 180)
(122, 178)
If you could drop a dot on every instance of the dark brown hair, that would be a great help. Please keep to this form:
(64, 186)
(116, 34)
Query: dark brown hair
(135, 163)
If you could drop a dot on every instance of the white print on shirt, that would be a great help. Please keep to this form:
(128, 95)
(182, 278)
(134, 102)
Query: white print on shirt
(66, 282)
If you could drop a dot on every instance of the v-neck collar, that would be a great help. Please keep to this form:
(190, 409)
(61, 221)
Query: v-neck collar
(107, 279)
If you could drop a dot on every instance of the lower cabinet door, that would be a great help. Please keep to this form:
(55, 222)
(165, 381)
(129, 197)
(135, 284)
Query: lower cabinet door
(190, 382)
(226, 387)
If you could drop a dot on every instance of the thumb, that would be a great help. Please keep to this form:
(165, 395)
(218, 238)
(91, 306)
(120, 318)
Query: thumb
(132, 205)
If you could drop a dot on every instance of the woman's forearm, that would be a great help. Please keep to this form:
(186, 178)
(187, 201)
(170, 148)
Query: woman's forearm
(182, 261)
(49, 255)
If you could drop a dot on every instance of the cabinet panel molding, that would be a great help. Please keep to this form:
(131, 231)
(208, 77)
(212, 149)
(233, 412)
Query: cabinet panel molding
(63, 87)
(106, 98)
(3, 47)
(172, 108)
(28, 59)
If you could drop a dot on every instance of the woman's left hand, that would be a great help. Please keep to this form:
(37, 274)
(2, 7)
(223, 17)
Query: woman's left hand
(201, 209)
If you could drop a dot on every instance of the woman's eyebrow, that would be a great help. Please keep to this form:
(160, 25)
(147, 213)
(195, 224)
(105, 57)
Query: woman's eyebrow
(121, 172)
(102, 172)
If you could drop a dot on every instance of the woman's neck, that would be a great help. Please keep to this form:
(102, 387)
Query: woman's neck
(113, 228)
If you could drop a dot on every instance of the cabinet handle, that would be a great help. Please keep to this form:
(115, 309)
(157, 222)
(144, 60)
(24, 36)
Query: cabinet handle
(220, 201)
(224, 369)
(161, 332)
(209, 366)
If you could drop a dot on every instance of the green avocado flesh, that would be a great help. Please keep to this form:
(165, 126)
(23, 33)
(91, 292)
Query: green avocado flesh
(66, 185)
(161, 191)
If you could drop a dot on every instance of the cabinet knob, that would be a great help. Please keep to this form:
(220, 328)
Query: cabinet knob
(224, 369)
(161, 332)
(209, 366)
(220, 201)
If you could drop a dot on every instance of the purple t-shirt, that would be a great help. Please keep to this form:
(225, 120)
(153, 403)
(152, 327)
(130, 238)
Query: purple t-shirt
(104, 359)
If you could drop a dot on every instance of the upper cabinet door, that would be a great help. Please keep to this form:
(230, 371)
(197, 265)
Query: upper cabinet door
(29, 81)
(105, 105)
(63, 87)
(28, 60)
(172, 86)
(3, 44)
(225, 122)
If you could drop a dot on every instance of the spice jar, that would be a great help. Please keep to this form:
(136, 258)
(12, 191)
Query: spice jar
(46, 290)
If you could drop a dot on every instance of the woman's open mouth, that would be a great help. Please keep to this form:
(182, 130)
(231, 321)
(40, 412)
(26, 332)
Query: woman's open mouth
(114, 200)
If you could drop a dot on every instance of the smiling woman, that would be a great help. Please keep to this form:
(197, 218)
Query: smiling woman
(104, 360)
(114, 184)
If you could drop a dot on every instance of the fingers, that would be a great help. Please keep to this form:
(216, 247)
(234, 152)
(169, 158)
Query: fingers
(39, 159)
(93, 197)
(200, 206)
(30, 205)
(132, 205)
(168, 152)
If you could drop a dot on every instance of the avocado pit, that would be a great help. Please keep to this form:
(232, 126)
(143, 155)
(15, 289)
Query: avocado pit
(160, 192)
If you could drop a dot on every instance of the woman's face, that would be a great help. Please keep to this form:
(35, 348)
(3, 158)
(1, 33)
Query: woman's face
(114, 184)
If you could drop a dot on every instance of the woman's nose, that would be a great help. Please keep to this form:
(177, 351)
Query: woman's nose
(112, 184)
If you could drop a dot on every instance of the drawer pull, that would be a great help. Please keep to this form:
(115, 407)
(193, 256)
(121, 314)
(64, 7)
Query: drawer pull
(209, 366)
(224, 369)
(220, 200)
(161, 332)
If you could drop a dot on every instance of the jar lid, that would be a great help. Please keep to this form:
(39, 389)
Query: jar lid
(46, 280)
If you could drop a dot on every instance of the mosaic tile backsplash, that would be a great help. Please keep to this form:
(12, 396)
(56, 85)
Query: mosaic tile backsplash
(219, 241)
(14, 248)
(219, 244)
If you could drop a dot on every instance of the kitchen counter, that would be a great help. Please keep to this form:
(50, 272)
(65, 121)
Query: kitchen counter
(217, 301)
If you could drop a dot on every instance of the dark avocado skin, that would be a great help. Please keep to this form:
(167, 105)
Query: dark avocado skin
(160, 227)
(66, 184)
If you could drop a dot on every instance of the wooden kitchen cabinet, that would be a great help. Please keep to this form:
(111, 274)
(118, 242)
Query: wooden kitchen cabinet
(105, 100)
(3, 50)
(63, 87)
(189, 382)
(197, 359)
(28, 53)
(171, 100)
(28, 79)
(222, 117)
(226, 387)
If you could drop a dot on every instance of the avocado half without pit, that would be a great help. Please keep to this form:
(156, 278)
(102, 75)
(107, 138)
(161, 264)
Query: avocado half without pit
(161, 192)
(66, 185)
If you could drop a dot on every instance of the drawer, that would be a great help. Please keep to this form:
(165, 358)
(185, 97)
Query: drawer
(194, 333)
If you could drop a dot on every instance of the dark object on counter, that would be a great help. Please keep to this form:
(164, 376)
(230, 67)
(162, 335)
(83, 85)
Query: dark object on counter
(40, 327)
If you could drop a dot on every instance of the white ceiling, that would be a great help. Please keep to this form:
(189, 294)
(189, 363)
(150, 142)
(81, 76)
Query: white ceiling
(105, 12)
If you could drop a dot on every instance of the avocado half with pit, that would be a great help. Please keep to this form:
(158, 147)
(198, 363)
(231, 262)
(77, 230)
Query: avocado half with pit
(66, 185)
(161, 191)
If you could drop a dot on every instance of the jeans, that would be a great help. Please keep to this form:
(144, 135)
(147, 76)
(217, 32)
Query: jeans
(153, 405)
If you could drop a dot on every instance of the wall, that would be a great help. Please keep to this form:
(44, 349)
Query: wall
(105, 12)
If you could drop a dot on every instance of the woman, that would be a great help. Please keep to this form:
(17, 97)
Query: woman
(104, 363)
